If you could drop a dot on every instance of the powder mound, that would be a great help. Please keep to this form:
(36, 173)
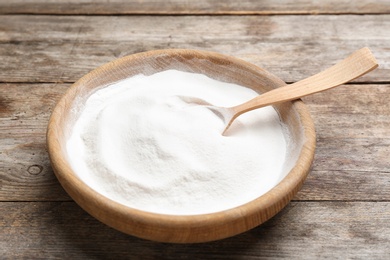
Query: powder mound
(137, 143)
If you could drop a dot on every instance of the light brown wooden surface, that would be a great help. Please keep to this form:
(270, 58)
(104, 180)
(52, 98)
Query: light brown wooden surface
(64, 48)
(303, 230)
(342, 210)
(211, 7)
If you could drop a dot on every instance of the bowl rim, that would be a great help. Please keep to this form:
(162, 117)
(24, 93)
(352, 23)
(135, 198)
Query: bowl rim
(178, 228)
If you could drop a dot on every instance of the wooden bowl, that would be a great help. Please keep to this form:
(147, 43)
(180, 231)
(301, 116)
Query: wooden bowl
(172, 228)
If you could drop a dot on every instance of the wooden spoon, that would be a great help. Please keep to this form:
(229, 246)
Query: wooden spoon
(357, 64)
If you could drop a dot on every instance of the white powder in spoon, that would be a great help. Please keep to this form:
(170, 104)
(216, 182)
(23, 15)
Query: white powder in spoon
(137, 143)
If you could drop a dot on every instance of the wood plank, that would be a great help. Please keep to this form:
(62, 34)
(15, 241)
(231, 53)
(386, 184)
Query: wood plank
(195, 7)
(349, 185)
(364, 104)
(63, 48)
(352, 124)
(25, 170)
(351, 160)
(303, 230)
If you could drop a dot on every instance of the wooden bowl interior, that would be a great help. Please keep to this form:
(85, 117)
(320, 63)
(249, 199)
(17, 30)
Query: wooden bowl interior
(181, 229)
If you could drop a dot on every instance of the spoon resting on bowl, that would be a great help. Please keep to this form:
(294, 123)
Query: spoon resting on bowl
(357, 64)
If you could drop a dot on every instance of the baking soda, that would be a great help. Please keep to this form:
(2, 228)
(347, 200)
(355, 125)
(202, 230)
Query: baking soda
(139, 144)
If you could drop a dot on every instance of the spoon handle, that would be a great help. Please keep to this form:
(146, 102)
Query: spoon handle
(352, 67)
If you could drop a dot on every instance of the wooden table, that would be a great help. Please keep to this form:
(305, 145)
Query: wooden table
(343, 210)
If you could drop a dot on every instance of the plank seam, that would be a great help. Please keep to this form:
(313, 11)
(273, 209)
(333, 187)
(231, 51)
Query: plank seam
(72, 82)
(293, 200)
(222, 13)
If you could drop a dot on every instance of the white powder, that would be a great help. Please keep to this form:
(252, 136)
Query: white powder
(137, 143)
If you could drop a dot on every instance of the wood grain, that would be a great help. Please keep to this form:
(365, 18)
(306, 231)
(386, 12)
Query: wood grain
(265, 7)
(25, 171)
(353, 144)
(341, 230)
(63, 48)
(364, 105)
(351, 161)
